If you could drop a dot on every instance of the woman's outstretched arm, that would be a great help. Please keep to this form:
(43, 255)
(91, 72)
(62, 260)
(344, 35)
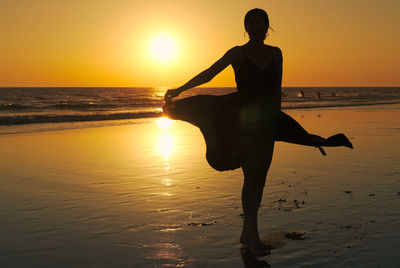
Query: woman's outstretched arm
(204, 76)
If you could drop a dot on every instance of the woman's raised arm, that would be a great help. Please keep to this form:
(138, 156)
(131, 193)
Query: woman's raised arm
(206, 75)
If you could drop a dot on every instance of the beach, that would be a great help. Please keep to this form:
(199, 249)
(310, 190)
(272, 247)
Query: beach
(140, 194)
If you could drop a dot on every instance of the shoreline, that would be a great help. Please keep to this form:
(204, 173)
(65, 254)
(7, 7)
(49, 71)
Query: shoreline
(137, 195)
(54, 126)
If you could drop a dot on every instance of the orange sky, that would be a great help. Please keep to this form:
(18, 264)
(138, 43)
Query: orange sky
(106, 43)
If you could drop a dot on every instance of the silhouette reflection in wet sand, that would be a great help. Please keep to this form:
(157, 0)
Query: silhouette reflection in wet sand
(250, 261)
(240, 128)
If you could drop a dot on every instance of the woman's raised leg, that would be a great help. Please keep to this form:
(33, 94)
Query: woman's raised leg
(289, 130)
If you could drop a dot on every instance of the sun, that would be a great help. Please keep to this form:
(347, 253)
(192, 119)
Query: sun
(163, 48)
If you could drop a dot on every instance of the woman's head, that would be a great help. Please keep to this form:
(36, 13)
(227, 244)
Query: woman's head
(256, 23)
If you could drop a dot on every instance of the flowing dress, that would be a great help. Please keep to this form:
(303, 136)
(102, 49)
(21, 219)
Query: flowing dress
(242, 121)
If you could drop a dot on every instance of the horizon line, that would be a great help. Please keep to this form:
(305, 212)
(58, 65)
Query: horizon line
(191, 88)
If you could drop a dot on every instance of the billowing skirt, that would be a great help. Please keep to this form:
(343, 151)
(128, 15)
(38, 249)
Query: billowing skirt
(231, 126)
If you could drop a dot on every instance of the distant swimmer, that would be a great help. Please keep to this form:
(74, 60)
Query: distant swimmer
(300, 94)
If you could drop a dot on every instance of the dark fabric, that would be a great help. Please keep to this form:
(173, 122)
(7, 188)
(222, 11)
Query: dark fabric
(254, 83)
(216, 116)
(239, 123)
(231, 127)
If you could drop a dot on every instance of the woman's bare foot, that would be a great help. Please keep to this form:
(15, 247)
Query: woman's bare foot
(338, 140)
(258, 249)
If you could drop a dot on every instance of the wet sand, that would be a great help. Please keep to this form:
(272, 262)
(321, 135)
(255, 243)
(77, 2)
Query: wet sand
(137, 195)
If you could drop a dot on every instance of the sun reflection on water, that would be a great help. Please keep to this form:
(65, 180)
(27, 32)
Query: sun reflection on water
(164, 122)
(165, 143)
(166, 182)
(170, 251)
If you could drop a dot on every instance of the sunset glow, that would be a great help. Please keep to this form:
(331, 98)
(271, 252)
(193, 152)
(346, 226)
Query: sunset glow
(163, 48)
(165, 43)
(164, 122)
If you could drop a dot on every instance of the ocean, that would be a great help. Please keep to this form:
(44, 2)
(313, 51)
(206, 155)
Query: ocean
(55, 108)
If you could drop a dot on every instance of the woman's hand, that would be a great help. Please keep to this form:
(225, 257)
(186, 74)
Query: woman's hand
(172, 93)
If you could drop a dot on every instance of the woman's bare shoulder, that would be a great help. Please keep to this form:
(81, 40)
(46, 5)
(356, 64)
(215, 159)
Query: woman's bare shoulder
(277, 53)
(235, 50)
(276, 50)
(235, 53)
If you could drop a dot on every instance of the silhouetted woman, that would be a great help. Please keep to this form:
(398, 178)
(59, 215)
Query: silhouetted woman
(240, 128)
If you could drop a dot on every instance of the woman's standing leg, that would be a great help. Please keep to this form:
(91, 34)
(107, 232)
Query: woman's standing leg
(255, 165)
